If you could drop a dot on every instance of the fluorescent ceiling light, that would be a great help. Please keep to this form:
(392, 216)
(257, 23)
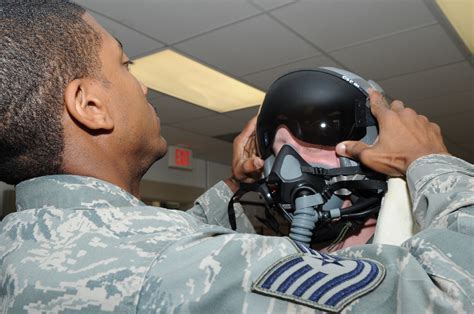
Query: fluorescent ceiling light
(186, 79)
(460, 13)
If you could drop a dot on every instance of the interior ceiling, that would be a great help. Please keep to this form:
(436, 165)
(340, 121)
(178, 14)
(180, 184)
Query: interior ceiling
(404, 45)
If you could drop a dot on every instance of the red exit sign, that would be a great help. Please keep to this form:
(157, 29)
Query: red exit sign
(180, 157)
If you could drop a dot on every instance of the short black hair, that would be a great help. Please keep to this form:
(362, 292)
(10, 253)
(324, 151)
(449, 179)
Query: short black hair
(44, 46)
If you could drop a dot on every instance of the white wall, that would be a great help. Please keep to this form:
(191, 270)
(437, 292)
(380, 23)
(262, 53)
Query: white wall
(162, 173)
(203, 175)
(216, 172)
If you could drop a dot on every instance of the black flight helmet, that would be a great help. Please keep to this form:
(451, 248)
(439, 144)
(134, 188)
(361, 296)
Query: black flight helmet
(321, 106)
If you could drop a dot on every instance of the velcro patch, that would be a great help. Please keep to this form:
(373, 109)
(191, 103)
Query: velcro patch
(320, 281)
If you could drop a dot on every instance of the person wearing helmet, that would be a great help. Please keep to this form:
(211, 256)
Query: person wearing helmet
(77, 135)
(304, 115)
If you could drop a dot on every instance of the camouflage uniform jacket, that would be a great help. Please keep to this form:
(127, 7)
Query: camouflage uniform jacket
(83, 245)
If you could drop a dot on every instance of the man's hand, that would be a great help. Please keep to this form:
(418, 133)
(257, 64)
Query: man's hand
(246, 165)
(404, 136)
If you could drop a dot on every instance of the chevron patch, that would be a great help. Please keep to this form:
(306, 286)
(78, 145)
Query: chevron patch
(320, 281)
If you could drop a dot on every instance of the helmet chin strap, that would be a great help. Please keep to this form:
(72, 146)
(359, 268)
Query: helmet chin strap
(308, 195)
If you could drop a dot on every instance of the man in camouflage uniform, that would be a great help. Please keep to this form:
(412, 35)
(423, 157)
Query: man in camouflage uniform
(82, 241)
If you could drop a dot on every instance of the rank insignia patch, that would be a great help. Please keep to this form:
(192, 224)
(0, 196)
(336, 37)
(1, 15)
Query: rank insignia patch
(318, 280)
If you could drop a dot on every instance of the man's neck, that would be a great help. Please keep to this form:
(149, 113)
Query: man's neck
(101, 162)
(130, 183)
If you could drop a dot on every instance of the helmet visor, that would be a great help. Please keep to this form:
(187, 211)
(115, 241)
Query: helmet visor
(327, 125)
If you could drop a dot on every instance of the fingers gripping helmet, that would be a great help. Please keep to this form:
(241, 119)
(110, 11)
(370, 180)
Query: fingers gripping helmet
(321, 106)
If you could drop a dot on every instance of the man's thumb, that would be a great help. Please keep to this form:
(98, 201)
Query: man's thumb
(351, 149)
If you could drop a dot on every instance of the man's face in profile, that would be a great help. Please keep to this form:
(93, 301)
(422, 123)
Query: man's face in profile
(136, 124)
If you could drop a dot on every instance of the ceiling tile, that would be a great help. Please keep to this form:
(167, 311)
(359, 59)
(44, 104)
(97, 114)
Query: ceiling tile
(152, 94)
(445, 80)
(244, 115)
(271, 4)
(402, 53)
(248, 46)
(171, 110)
(458, 128)
(134, 44)
(173, 21)
(457, 131)
(459, 151)
(217, 124)
(332, 24)
(177, 136)
(265, 78)
(445, 105)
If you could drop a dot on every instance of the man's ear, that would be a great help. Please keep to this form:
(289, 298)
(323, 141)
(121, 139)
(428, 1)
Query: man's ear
(85, 105)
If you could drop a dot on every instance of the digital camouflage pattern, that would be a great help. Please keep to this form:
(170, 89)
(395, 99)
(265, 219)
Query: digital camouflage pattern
(79, 244)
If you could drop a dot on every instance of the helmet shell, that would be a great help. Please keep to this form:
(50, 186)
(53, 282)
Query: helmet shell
(319, 106)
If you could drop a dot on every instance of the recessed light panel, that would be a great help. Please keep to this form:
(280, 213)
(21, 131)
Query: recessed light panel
(181, 77)
(460, 14)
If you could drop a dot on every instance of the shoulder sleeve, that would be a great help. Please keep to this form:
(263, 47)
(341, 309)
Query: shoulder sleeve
(211, 208)
(441, 185)
(433, 270)
(214, 273)
(442, 189)
(246, 273)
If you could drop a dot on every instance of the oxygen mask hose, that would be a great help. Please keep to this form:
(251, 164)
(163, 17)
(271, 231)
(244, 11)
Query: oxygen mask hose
(305, 216)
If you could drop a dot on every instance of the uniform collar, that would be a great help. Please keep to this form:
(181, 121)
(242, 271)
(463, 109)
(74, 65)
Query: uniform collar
(70, 191)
